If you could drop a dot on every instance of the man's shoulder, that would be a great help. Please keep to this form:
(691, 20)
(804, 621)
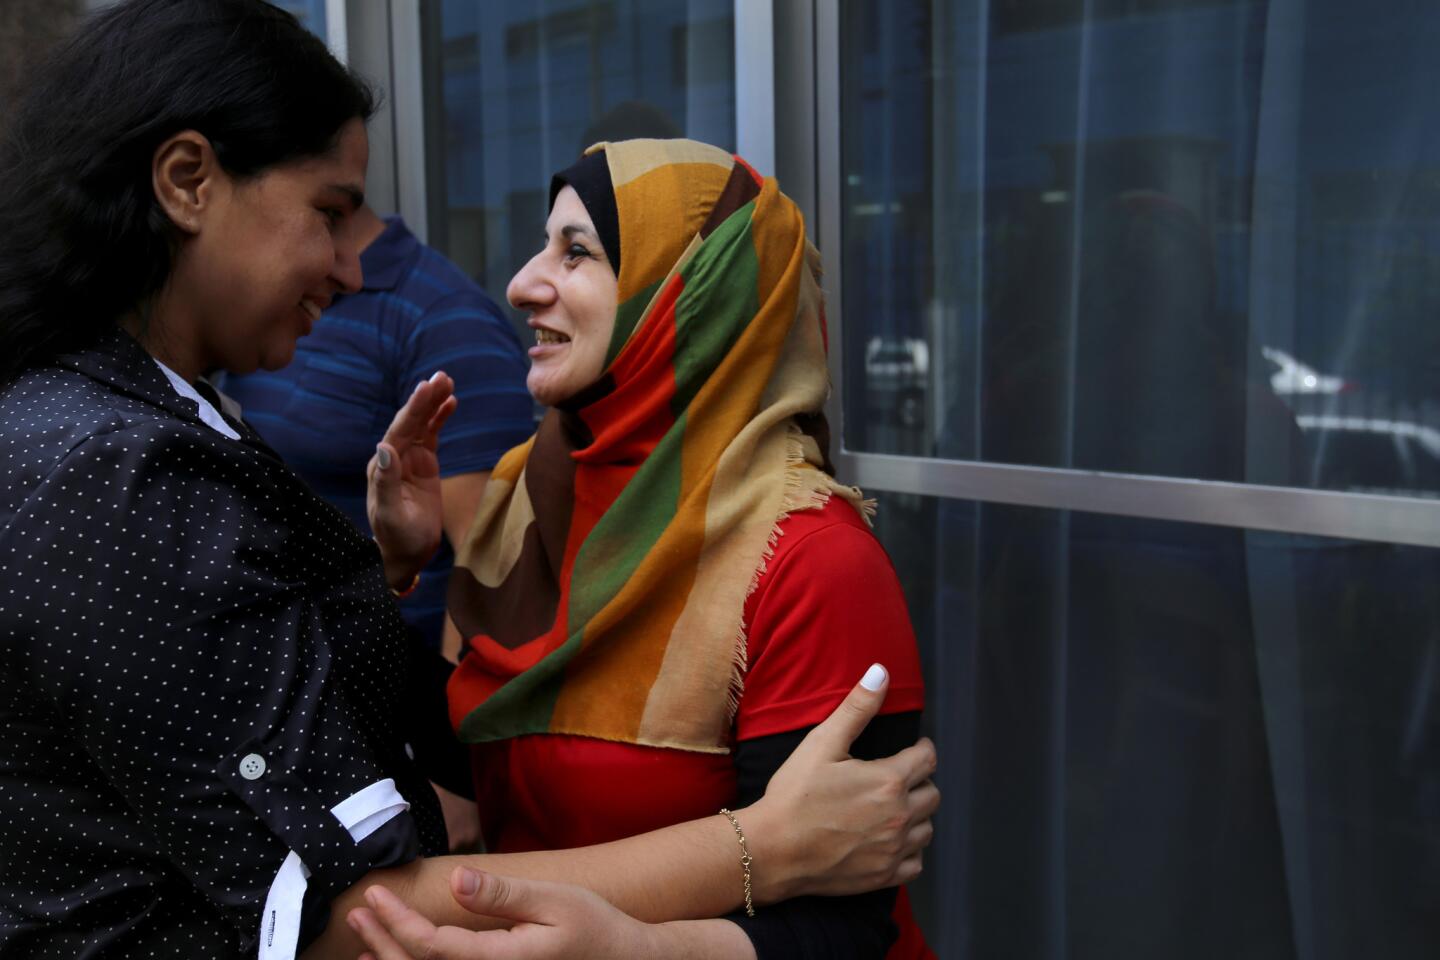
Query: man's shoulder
(433, 283)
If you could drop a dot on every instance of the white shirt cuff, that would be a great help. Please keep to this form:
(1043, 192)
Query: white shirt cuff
(361, 814)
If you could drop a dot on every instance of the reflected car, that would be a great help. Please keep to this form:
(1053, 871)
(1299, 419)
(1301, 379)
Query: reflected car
(896, 378)
(1355, 441)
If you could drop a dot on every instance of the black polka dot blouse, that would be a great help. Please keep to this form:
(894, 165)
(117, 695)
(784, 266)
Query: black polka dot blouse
(200, 680)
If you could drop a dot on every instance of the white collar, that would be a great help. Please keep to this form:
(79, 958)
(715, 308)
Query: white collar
(208, 413)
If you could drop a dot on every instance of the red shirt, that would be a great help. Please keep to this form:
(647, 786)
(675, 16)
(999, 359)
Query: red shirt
(828, 606)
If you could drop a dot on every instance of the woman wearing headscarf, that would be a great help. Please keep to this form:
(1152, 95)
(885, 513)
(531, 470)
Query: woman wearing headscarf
(205, 741)
(666, 588)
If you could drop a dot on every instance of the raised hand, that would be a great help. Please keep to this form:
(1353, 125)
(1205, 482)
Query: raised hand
(403, 494)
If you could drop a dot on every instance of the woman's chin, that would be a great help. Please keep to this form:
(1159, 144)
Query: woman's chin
(544, 391)
(276, 357)
(551, 383)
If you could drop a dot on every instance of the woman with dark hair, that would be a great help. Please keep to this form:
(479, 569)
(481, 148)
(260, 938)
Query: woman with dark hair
(201, 669)
(666, 589)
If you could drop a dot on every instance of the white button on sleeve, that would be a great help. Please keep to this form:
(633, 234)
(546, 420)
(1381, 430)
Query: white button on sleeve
(252, 766)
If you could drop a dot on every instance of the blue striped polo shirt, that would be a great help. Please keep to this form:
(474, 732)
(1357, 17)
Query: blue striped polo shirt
(324, 413)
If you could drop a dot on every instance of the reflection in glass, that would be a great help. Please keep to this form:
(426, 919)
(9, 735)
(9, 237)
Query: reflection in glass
(1122, 229)
(523, 88)
(1172, 740)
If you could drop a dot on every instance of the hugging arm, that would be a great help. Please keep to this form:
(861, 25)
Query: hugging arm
(833, 928)
(552, 921)
(827, 824)
(829, 604)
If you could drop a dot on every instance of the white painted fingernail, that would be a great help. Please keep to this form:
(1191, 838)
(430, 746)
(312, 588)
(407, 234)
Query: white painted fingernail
(382, 457)
(874, 678)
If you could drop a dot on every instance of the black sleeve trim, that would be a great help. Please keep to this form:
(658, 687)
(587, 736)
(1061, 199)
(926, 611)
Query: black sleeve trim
(820, 927)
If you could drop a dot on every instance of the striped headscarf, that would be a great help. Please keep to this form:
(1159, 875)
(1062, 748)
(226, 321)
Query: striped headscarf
(602, 588)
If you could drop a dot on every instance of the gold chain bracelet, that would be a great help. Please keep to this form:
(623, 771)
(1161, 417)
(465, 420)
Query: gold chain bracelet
(745, 860)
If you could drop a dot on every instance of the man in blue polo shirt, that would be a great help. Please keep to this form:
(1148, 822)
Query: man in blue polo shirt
(324, 413)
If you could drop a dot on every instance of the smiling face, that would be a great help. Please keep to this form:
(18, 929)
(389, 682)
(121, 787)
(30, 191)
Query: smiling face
(569, 290)
(264, 257)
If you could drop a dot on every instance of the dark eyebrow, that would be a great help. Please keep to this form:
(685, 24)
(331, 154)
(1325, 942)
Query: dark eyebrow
(570, 230)
(354, 194)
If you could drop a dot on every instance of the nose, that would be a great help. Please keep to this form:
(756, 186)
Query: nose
(530, 288)
(346, 272)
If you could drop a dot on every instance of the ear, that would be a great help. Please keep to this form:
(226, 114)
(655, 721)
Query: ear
(186, 176)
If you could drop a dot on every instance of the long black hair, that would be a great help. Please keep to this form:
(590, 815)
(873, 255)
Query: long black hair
(83, 240)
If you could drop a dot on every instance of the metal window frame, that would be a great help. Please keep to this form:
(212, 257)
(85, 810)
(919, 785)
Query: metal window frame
(382, 41)
(337, 34)
(755, 82)
(400, 163)
(367, 45)
(407, 94)
(1388, 519)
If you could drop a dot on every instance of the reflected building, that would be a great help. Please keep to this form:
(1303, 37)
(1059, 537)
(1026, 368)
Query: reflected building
(1170, 240)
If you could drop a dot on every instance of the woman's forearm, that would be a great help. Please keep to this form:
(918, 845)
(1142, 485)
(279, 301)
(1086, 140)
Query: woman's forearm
(557, 920)
(702, 940)
(683, 872)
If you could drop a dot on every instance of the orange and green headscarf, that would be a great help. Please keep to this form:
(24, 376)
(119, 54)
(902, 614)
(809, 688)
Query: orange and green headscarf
(602, 588)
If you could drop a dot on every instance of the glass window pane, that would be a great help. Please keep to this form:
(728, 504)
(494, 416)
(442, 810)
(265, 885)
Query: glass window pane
(1165, 739)
(523, 88)
(310, 13)
(1195, 238)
